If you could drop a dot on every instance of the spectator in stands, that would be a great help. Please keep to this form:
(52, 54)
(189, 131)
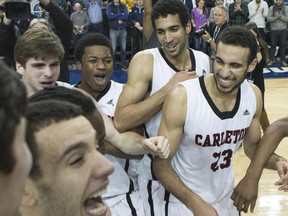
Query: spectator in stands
(80, 22)
(117, 14)
(278, 19)
(199, 17)
(212, 11)
(94, 10)
(190, 4)
(238, 13)
(67, 7)
(258, 10)
(228, 2)
(221, 22)
(136, 24)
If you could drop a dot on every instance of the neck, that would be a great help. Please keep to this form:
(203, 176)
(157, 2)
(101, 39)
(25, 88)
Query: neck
(223, 101)
(30, 90)
(182, 62)
(84, 86)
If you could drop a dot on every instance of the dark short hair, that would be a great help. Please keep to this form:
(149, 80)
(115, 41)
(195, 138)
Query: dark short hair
(42, 114)
(163, 8)
(65, 94)
(12, 109)
(91, 39)
(239, 36)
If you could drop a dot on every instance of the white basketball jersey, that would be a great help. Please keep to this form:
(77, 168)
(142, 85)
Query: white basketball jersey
(119, 181)
(64, 84)
(210, 139)
(163, 70)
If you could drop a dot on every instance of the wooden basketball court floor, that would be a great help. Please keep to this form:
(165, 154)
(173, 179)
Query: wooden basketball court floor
(270, 201)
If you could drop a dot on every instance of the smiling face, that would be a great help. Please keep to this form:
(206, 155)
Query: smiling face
(75, 174)
(172, 35)
(201, 4)
(12, 185)
(96, 68)
(38, 74)
(231, 66)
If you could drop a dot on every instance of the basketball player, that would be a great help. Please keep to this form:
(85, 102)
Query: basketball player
(215, 115)
(94, 57)
(152, 74)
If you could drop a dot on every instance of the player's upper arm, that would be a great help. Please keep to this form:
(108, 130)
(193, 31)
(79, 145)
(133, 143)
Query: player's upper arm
(173, 118)
(139, 77)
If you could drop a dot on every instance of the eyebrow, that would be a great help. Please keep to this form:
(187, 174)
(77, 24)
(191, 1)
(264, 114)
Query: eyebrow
(71, 148)
(44, 63)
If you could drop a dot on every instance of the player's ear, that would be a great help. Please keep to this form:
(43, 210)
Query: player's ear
(79, 65)
(252, 65)
(19, 68)
(188, 27)
(29, 197)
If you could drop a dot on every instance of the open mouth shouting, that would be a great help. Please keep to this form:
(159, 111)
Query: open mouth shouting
(100, 79)
(94, 205)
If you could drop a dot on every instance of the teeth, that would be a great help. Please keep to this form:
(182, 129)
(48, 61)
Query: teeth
(99, 208)
(224, 80)
(99, 193)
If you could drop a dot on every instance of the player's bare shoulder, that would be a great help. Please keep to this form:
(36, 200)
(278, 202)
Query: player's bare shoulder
(143, 56)
(142, 64)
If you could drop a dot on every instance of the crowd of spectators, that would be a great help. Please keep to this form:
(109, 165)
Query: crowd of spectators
(48, 172)
(122, 22)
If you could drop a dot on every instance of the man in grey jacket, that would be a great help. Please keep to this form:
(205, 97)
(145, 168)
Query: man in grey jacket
(278, 19)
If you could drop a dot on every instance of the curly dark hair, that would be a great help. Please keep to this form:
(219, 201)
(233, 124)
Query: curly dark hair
(165, 7)
(239, 36)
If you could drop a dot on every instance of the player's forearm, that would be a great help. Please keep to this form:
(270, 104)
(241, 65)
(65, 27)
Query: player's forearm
(112, 150)
(272, 137)
(264, 156)
(131, 143)
(172, 183)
